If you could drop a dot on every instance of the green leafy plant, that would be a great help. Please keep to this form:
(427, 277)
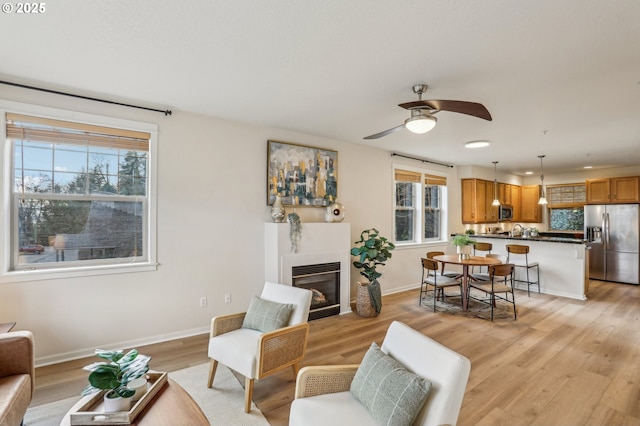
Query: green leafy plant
(470, 232)
(462, 240)
(116, 372)
(372, 250)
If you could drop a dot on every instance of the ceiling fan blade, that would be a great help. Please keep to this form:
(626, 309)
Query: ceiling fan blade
(469, 108)
(385, 133)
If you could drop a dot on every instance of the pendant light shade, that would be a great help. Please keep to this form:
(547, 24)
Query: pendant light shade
(543, 199)
(496, 201)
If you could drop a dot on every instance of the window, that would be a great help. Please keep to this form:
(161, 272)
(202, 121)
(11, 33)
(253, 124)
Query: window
(566, 207)
(419, 206)
(79, 195)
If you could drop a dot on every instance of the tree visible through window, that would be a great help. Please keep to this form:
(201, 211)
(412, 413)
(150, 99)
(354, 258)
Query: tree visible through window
(80, 193)
(413, 222)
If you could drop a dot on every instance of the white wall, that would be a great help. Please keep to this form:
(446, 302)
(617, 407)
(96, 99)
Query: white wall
(211, 214)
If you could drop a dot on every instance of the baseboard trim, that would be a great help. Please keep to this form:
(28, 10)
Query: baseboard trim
(84, 353)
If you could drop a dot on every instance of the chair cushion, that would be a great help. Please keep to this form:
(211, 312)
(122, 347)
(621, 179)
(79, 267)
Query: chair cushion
(237, 350)
(340, 408)
(265, 315)
(391, 393)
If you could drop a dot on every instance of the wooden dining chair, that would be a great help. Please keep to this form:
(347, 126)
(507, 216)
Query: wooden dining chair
(431, 279)
(484, 276)
(450, 274)
(494, 288)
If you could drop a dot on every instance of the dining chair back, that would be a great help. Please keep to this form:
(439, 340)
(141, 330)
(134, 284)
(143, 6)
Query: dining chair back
(431, 279)
(500, 283)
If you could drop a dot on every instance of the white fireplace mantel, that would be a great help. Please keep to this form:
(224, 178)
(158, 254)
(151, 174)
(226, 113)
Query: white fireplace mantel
(320, 243)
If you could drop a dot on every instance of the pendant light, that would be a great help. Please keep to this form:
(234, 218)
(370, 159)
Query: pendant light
(495, 202)
(543, 199)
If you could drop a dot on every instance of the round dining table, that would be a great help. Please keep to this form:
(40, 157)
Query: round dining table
(471, 261)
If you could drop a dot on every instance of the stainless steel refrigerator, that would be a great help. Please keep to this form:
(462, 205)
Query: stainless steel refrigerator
(613, 232)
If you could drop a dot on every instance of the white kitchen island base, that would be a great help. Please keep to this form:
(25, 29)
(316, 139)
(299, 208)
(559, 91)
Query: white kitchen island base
(563, 265)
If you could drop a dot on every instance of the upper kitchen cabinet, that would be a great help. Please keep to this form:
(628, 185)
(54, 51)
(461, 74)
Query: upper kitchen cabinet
(530, 210)
(504, 194)
(613, 190)
(516, 203)
(477, 195)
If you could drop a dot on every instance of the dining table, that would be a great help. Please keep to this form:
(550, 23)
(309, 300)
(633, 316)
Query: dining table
(465, 263)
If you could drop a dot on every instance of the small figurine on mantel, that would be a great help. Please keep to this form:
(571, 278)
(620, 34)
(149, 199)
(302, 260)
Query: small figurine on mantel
(334, 213)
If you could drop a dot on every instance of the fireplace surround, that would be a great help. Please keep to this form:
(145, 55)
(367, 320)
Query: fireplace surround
(321, 244)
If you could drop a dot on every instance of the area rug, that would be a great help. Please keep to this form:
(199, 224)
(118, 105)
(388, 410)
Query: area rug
(475, 309)
(223, 404)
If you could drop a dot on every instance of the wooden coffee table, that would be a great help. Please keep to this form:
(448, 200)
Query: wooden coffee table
(171, 406)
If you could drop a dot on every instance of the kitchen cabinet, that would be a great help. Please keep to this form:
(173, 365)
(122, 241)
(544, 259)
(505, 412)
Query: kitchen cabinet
(530, 210)
(613, 190)
(516, 202)
(477, 195)
(504, 193)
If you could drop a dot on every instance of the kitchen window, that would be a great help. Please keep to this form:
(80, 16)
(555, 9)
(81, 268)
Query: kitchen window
(419, 206)
(566, 206)
(80, 195)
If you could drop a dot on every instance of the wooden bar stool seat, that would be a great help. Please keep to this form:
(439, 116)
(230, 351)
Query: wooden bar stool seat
(518, 255)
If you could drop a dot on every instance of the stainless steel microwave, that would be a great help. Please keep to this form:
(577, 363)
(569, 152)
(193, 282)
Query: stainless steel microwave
(505, 213)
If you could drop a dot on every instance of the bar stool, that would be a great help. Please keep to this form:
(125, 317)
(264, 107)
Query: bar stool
(520, 250)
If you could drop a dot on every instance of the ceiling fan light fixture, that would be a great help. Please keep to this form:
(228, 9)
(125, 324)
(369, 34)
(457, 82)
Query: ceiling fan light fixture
(420, 123)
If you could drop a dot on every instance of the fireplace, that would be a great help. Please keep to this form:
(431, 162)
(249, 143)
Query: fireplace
(324, 282)
(322, 263)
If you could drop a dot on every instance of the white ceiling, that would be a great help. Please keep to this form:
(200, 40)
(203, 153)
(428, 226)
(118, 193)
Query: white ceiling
(339, 68)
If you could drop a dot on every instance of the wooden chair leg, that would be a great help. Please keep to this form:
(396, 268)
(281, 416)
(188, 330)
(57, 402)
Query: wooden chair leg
(296, 368)
(248, 394)
(212, 372)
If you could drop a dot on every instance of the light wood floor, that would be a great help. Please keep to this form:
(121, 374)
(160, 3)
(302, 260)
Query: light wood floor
(563, 362)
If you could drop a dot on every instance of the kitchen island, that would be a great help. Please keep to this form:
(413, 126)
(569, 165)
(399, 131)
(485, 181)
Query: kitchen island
(563, 262)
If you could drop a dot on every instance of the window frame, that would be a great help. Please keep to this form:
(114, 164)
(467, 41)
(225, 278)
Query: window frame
(420, 207)
(7, 258)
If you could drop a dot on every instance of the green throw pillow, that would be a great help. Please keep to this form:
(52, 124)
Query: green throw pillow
(392, 394)
(265, 315)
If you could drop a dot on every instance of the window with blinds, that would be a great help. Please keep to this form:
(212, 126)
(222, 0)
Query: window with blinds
(80, 194)
(566, 206)
(418, 206)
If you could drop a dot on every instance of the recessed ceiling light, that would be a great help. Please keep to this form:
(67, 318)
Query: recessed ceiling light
(477, 144)
(588, 167)
(528, 173)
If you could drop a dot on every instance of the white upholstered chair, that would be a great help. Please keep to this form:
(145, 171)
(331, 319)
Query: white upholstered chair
(323, 397)
(256, 354)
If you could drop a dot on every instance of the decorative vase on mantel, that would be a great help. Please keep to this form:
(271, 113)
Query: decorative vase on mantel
(277, 210)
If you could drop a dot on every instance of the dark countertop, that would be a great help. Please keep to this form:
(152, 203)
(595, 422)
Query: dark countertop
(539, 238)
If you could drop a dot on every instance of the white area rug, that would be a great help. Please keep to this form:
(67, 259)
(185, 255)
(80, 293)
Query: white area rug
(223, 404)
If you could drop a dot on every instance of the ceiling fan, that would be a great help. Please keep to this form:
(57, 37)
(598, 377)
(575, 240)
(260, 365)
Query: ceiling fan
(422, 113)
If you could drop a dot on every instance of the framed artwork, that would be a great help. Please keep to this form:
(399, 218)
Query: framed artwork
(301, 175)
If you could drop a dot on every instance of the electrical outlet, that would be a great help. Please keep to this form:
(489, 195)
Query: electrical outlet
(203, 302)
(227, 298)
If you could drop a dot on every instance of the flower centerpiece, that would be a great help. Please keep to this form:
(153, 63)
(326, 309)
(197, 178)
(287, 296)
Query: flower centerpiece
(463, 244)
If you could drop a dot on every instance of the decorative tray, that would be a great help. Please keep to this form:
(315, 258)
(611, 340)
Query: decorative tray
(92, 411)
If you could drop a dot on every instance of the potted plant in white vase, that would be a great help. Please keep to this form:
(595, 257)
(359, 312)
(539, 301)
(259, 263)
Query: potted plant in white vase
(113, 375)
(371, 250)
(464, 245)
